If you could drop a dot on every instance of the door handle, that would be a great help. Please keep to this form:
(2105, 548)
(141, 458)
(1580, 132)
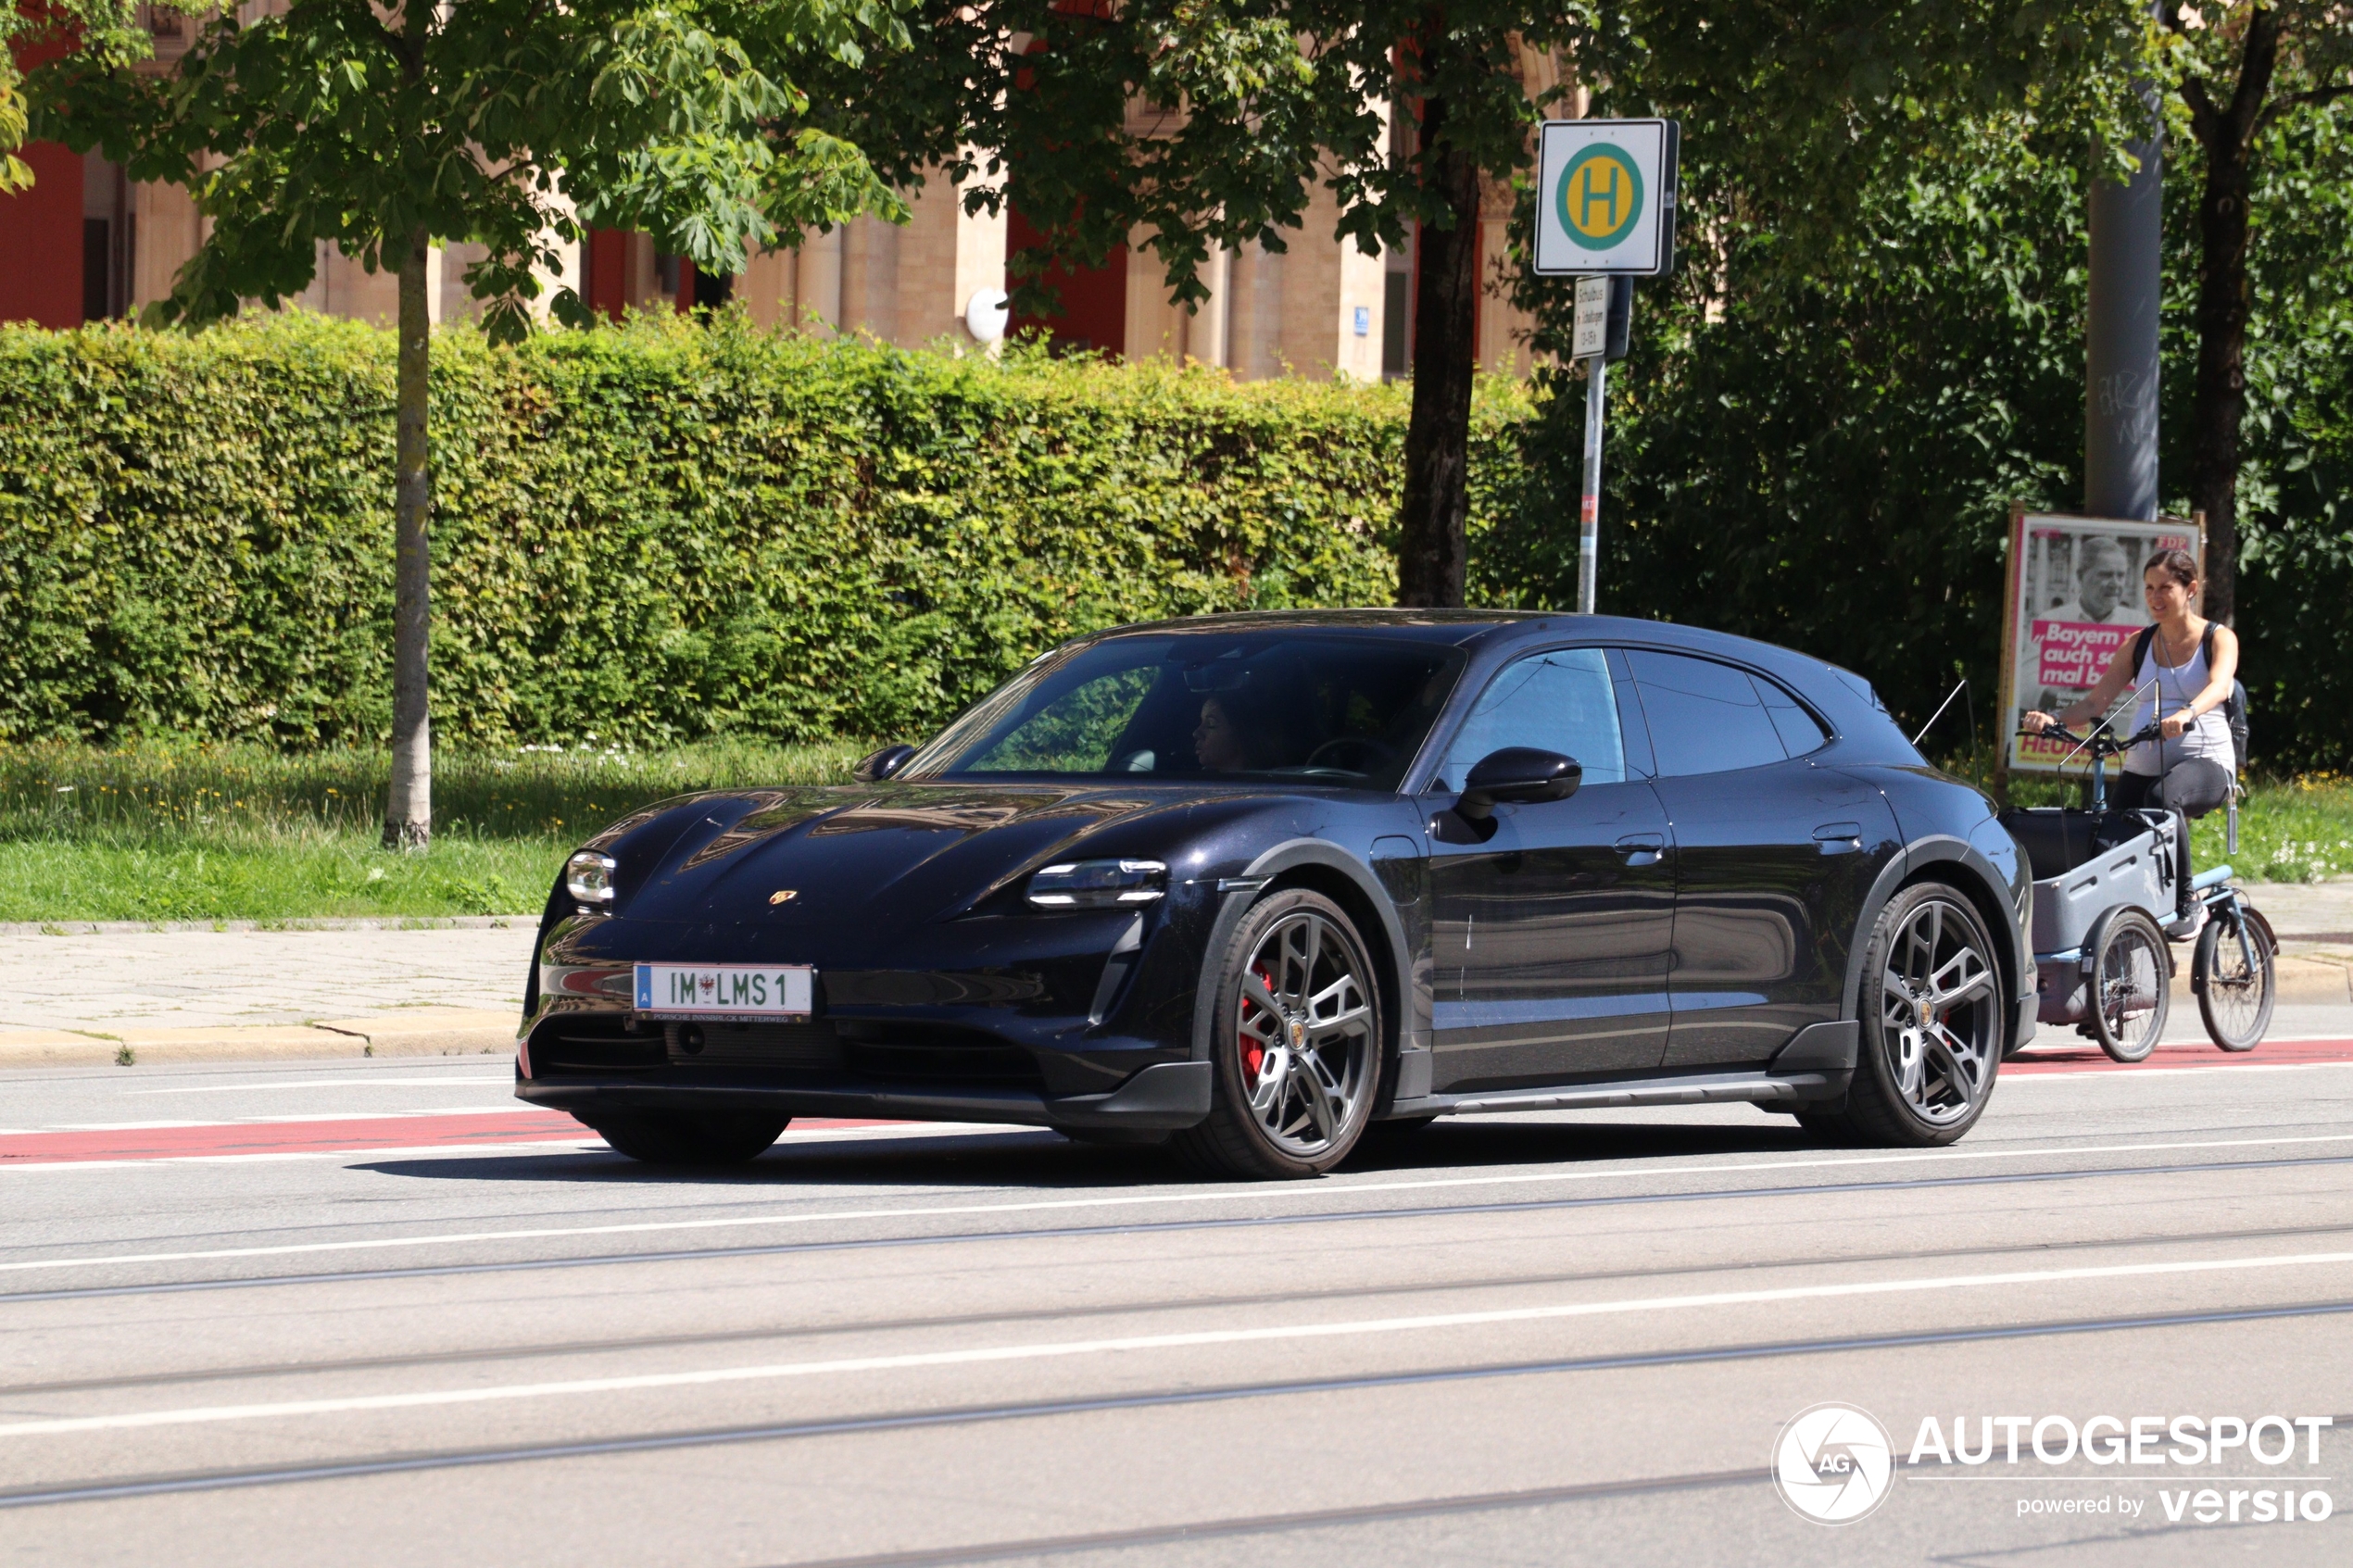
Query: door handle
(1641, 848)
(1839, 838)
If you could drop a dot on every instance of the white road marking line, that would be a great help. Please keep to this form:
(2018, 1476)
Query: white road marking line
(194, 1415)
(586, 1145)
(1324, 1190)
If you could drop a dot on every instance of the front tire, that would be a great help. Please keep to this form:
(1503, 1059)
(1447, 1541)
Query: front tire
(688, 1138)
(2130, 998)
(2234, 1001)
(1295, 1046)
(1933, 1029)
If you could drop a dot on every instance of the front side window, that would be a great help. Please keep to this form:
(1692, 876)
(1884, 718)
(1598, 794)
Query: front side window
(1560, 701)
(1334, 708)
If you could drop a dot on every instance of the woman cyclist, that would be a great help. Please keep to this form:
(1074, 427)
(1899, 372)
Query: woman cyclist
(2185, 665)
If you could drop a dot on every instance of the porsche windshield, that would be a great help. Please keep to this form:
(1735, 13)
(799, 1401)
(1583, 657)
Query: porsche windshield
(1346, 709)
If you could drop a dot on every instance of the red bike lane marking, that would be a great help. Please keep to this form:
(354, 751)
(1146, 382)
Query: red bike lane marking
(231, 1139)
(2076, 1057)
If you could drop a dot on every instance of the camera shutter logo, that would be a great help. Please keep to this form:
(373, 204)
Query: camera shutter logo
(1599, 197)
(1833, 1464)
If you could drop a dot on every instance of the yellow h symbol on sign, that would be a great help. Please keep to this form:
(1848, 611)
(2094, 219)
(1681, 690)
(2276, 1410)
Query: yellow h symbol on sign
(1600, 184)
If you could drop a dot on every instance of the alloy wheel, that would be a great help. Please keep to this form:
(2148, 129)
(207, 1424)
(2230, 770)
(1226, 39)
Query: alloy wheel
(1303, 1026)
(1939, 1013)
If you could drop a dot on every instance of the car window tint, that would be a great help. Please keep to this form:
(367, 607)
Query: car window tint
(1705, 717)
(1559, 701)
(1073, 733)
(1799, 731)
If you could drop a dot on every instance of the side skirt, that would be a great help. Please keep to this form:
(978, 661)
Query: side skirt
(1712, 1088)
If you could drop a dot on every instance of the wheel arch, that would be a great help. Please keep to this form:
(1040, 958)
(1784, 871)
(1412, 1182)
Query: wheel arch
(1963, 867)
(1321, 867)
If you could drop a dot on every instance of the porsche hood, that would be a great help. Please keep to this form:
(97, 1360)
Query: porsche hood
(885, 855)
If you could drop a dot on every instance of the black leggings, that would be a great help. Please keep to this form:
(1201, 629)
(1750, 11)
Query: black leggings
(2189, 788)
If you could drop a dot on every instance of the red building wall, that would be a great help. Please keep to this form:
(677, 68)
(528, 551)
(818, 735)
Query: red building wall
(41, 242)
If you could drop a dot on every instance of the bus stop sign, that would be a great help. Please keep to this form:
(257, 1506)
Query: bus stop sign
(1606, 192)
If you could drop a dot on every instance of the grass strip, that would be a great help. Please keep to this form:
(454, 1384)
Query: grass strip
(163, 833)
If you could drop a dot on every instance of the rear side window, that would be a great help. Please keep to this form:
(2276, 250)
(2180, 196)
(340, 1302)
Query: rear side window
(1709, 718)
(1799, 732)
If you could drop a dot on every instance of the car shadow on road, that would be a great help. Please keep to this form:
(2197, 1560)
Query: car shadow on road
(1029, 1157)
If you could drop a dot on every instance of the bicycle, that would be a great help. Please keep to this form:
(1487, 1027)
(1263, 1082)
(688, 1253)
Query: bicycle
(2106, 912)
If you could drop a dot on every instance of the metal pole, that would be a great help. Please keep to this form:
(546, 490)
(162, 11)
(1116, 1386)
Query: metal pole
(2119, 360)
(1589, 516)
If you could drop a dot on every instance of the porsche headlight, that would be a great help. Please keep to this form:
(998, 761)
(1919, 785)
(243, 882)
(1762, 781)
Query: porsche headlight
(588, 878)
(1094, 884)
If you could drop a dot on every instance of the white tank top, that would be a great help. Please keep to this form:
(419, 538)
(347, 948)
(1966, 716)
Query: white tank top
(2209, 734)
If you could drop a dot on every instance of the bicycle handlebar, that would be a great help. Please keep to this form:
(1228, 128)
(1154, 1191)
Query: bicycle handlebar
(2102, 741)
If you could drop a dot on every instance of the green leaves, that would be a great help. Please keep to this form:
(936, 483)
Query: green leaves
(508, 123)
(652, 532)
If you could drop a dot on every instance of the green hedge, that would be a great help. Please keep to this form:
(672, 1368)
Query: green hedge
(659, 532)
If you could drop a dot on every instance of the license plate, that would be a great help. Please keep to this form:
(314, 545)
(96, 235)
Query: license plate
(677, 990)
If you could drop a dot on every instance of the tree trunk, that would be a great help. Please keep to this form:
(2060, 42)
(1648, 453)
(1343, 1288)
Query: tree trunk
(1432, 545)
(2219, 401)
(408, 806)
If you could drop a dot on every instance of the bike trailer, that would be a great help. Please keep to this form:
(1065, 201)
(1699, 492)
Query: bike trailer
(2086, 865)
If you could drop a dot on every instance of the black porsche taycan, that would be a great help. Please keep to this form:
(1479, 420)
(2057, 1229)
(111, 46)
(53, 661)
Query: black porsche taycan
(1252, 883)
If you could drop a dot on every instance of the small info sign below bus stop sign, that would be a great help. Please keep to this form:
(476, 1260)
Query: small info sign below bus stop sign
(1605, 197)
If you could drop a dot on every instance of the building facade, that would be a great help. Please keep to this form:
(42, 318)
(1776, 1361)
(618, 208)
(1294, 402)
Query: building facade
(85, 245)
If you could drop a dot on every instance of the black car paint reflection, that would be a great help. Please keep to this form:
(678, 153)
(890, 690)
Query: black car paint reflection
(1659, 926)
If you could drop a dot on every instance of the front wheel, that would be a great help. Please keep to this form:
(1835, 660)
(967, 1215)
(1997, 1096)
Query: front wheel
(2130, 998)
(2236, 985)
(687, 1138)
(1296, 1044)
(1931, 1022)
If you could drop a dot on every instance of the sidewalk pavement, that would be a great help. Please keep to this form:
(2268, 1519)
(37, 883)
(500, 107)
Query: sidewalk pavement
(86, 994)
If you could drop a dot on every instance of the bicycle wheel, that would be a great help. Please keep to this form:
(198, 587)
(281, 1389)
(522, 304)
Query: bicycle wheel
(2130, 996)
(2235, 983)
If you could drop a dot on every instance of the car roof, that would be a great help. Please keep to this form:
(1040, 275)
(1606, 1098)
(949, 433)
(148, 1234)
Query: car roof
(1845, 695)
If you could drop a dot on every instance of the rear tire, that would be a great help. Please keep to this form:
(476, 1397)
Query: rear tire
(1295, 1045)
(1932, 1023)
(688, 1138)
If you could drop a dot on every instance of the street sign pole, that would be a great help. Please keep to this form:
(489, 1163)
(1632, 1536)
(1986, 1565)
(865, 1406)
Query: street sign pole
(1589, 510)
(1605, 216)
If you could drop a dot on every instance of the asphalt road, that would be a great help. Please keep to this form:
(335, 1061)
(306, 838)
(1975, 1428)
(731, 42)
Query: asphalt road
(377, 1313)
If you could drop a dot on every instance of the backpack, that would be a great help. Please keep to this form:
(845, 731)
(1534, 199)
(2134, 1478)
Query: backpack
(2234, 705)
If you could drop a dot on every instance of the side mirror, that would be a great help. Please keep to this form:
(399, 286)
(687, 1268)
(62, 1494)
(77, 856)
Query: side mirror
(882, 764)
(1516, 775)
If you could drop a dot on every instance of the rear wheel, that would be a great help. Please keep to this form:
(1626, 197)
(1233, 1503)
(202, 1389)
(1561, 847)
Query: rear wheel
(688, 1138)
(2130, 996)
(1931, 1022)
(2234, 995)
(1295, 1047)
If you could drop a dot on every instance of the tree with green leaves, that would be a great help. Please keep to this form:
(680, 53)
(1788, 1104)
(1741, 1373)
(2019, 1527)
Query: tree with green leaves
(2240, 69)
(101, 30)
(384, 130)
(1203, 124)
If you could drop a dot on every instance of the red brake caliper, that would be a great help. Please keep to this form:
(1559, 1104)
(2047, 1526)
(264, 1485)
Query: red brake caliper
(1253, 1053)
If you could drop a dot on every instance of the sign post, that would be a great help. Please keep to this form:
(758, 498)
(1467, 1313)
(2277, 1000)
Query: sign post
(1605, 214)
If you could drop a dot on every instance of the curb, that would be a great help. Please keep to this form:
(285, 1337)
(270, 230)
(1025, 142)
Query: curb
(418, 1032)
(354, 922)
(2302, 983)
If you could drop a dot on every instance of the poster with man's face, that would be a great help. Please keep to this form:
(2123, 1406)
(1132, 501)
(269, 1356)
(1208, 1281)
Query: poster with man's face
(2075, 601)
